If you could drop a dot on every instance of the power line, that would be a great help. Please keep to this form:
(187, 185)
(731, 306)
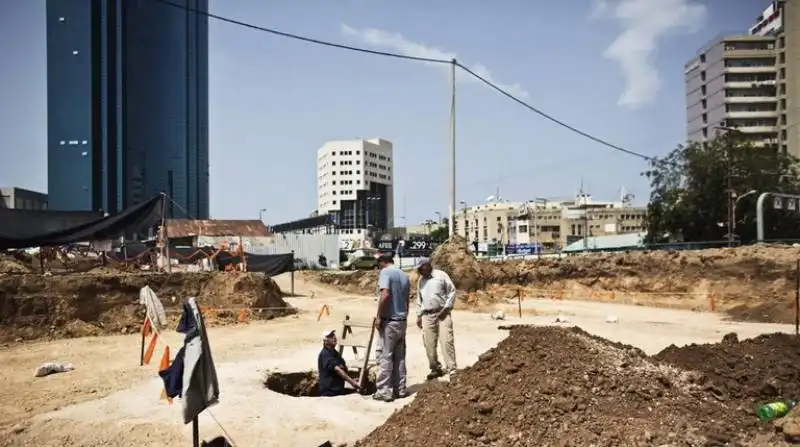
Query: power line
(413, 58)
(303, 38)
(551, 118)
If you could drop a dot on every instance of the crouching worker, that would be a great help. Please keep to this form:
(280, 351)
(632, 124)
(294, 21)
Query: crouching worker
(333, 369)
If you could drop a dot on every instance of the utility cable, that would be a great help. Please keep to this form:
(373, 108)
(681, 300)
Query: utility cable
(302, 38)
(413, 58)
(551, 118)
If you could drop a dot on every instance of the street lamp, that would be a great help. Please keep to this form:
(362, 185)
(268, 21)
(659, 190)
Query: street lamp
(261, 214)
(732, 229)
(439, 220)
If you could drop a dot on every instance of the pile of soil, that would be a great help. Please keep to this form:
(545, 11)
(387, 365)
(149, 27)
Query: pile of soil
(753, 372)
(75, 305)
(556, 386)
(753, 283)
(14, 263)
(357, 281)
(458, 261)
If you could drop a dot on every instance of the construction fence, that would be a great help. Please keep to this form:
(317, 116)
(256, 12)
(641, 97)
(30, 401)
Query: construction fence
(306, 247)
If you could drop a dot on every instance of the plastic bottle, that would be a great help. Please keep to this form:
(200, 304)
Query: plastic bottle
(775, 410)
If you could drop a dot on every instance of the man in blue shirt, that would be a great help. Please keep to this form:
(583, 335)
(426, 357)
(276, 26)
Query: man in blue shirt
(332, 368)
(391, 323)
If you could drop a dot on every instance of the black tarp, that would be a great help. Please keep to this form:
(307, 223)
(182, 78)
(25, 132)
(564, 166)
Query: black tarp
(52, 232)
(270, 265)
(32, 223)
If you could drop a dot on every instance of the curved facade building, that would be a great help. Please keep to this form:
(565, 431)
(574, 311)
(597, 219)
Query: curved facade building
(127, 104)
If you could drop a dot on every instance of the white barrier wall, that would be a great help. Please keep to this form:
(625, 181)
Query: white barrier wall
(307, 247)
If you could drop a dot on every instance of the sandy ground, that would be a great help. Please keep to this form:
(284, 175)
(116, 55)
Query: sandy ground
(110, 401)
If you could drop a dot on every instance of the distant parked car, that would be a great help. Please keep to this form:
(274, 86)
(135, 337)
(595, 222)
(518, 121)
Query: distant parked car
(362, 259)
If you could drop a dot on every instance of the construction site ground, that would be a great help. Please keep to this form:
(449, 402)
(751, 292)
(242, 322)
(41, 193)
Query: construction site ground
(109, 400)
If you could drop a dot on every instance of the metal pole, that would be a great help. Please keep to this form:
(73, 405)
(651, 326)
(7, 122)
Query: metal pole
(797, 299)
(195, 432)
(141, 350)
(536, 227)
(452, 207)
(730, 192)
(292, 288)
(760, 217)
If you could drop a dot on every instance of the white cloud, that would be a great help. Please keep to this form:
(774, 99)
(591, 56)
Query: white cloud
(645, 23)
(394, 42)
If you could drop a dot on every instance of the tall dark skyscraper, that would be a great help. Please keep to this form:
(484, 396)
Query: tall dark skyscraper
(127, 99)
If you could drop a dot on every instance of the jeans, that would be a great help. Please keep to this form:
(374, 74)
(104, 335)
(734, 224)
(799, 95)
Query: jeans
(392, 360)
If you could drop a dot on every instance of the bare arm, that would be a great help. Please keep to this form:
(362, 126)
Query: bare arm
(383, 301)
(343, 374)
(450, 289)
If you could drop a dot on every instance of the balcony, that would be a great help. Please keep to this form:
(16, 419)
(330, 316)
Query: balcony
(754, 69)
(764, 143)
(757, 129)
(749, 99)
(749, 53)
(752, 114)
(750, 84)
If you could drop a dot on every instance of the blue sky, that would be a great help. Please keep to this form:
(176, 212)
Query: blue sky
(612, 68)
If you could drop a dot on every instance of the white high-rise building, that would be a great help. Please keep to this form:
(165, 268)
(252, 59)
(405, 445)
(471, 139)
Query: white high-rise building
(355, 181)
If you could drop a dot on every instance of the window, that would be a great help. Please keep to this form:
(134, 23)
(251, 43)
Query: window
(703, 75)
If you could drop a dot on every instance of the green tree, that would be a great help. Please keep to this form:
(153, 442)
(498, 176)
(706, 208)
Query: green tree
(689, 191)
(441, 233)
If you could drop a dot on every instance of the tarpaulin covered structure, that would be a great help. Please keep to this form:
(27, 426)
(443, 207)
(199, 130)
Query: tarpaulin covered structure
(24, 228)
(270, 265)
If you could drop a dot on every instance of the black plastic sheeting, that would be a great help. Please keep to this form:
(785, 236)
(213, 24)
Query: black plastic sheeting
(24, 228)
(269, 265)
(32, 223)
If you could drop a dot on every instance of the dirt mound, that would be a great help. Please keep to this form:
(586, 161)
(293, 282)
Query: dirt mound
(753, 283)
(458, 261)
(553, 386)
(38, 306)
(754, 371)
(14, 263)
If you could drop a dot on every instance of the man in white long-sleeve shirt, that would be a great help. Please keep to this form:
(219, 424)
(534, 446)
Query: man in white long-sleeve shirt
(436, 295)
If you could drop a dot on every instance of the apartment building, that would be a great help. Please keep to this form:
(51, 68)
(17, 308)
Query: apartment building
(749, 82)
(355, 181)
(553, 224)
(732, 83)
(486, 223)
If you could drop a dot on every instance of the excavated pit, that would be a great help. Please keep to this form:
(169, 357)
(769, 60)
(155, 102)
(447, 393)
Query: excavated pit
(295, 384)
(304, 383)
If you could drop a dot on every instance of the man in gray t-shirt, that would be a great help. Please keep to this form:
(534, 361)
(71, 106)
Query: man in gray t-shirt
(391, 323)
